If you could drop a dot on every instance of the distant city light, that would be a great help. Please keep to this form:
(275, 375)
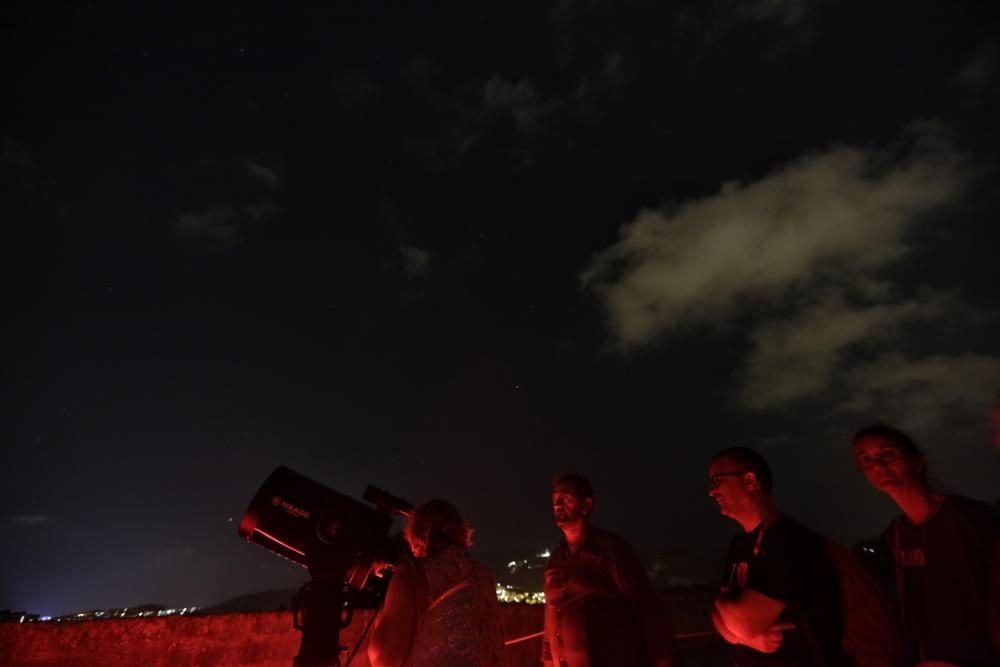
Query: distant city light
(101, 614)
(509, 595)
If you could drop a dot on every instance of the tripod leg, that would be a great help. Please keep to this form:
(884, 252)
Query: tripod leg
(319, 614)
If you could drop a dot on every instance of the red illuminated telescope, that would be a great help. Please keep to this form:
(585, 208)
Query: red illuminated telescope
(338, 539)
(316, 527)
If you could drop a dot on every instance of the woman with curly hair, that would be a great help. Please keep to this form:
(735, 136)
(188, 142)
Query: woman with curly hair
(441, 608)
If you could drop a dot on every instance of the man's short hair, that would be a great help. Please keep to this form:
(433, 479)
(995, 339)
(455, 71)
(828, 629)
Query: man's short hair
(751, 461)
(581, 485)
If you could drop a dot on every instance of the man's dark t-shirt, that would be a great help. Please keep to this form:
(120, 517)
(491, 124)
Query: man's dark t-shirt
(601, 609)
(790, 566)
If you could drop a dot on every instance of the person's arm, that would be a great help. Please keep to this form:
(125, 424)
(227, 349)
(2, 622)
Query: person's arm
(785, 562)
(630, 577)
(393, 633)
(721, 628)
(749, 613)
(768, 641)
(546, 651)
(547, 659)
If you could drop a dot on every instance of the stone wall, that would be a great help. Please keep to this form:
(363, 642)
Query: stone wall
(267, 639)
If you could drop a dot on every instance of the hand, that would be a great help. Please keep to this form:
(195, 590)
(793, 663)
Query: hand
(770, 641)
(381, 568)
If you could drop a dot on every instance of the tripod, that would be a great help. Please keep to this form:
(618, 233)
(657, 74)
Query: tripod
(322, 608)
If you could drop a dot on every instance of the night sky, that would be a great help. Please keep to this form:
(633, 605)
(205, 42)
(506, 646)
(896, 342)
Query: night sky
(451, 249)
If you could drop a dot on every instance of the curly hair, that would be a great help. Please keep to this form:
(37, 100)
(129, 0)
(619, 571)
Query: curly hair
(436, 526)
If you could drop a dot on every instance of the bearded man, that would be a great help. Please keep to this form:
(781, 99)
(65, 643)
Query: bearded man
(600, 607)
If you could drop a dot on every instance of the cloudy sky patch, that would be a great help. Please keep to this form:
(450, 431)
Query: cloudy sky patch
(30, 519)
(799, 356)
(832, 217)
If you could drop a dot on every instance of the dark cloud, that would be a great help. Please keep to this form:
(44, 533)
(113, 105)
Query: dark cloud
(265, 175)
(355, 92)
(980, 70)
(471, 114)
(518, 99)
(13, 155)
(223, 224)
(790, 13)
(416, 261)
(30, 519)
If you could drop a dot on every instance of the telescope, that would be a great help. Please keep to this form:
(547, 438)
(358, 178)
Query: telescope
(338, 539)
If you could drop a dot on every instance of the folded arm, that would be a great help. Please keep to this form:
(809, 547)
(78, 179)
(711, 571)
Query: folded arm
(747, 614)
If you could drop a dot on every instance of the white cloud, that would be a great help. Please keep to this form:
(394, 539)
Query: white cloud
(835, 217)
(798, 356)
(809, 245)
(921, 394)
(30, 519)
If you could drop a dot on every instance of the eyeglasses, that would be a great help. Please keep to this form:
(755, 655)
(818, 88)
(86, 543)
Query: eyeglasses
(715, 480)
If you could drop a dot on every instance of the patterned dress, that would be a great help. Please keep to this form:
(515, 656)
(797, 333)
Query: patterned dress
(460, 626)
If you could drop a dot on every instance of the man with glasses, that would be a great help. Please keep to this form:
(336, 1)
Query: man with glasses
(600, 607)
(779, 602)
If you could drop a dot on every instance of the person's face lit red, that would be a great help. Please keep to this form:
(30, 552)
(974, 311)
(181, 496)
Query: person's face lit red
(726, 486)
(884, 465)
(567, 506)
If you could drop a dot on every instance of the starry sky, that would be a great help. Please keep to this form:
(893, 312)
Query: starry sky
(452, 249)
